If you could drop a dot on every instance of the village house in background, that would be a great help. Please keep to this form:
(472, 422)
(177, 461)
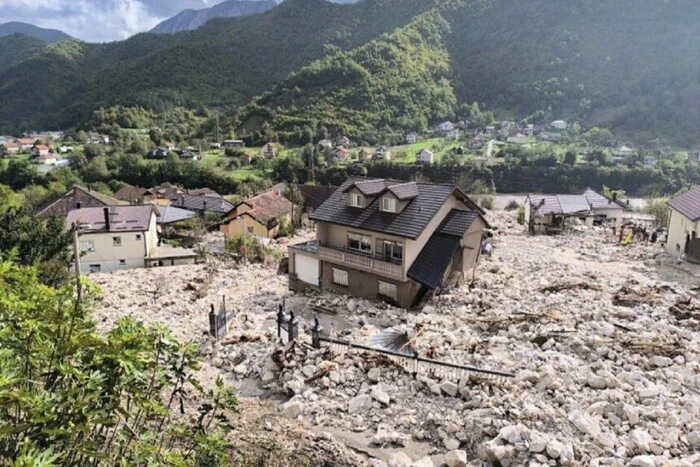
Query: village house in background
(269, 150)
(260, 216)
(548, 213)
(314, 196)
(202, 204)
(364, 154)
(122, 237)
(425, 156)
(234, 143)
(683, 224)
(389, 239)
(78, 197)
(382, 153)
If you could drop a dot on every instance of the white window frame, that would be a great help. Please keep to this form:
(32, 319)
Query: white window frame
(87, 246)
(116, 241)
(363, 241)
(357, 200)
(340, 277)
(387, 289)
(392, 246)
(388, 204)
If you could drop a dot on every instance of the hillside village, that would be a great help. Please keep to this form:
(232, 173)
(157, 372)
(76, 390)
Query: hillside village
(577, 347)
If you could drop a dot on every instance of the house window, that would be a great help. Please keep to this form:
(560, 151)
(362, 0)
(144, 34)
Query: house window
(387, 290)
(393, 251)
(138, 236)
(359, 243)
(340, 277)
(87, 246)
(94, 268)
(250, 229)
(122, 262)
(116, 241)
(357, 200)
(388, 205)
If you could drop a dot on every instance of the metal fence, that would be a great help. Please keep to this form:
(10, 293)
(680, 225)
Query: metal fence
(218, 321)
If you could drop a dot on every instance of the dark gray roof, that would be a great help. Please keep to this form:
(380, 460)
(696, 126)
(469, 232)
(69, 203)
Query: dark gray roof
(368, 187)
(433, 260)
(409, 223)
(404, 190)
(203, 203)
(457, 222)
(171, 214)
(121, 218)
(688, 203)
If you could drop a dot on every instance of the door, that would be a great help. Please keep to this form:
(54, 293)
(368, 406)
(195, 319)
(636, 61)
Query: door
(306, 268)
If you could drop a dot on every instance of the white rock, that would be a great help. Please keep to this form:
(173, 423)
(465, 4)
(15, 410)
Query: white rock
(607, 440)
(512, 433)
(424, 462)
(643, 461)
(434, 387)
(660, 361)
(217, 362)
(538, 444)
(451, 444)
(584, 423)
(334, 376)
(648, 392)
(631, 414)
(693, 438)
(399, 459)
(292, 409)
(641, 439)
(268, 377)
(449, 388)
(380, 396)
(241, 369)
(456, 458)
(374, 374)
(554, 448)
(352, 305)
(597, 382)
(359, 403)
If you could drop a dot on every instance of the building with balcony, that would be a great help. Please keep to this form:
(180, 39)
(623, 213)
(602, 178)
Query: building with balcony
(389, 239)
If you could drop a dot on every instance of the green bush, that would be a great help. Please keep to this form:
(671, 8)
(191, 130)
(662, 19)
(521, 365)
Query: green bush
(521, 215)
(72, 396)
(486, 202)
(657, 207)
(247, 248)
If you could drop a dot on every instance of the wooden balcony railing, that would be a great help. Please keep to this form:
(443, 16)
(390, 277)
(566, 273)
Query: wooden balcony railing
(361, 262)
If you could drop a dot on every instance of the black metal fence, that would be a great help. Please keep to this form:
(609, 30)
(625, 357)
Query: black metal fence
(218, 321)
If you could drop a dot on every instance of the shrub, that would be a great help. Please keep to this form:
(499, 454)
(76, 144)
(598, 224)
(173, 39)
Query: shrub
(521, 215)
(657, 208)
(512, 205)
(486, 202)
(248, 248)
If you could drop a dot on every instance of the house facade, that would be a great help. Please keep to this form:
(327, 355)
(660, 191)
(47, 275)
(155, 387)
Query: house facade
(260, 216)
(390, 240)
(684, 224)
(269, 150)
(425, 156)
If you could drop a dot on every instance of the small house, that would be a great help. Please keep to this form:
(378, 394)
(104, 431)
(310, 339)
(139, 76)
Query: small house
(234, 143)
(25, 144)
(214, 145)
(559, 125)
(269, 150)
(444, 128)
(324, 146)
(624, 151)
(453, 134)
(9, 147)
(382, 153)
(364, 154)
(339, 154)
(261, 216)
(517, 139)
(77, 197)
(684, 224)
(411, 138)
(343, 142)
(425, 156)
(190, 156)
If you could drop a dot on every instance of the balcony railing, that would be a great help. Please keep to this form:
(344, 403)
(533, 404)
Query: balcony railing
(361, 262)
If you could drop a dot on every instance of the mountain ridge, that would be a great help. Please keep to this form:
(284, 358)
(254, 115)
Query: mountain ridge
(190, 19)
(44, 34)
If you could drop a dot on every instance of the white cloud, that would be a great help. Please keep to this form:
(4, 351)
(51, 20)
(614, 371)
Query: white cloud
(95, 20)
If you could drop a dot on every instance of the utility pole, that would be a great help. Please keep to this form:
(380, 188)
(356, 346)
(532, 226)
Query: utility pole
(245, 243)
(291, 188)
(76, 258)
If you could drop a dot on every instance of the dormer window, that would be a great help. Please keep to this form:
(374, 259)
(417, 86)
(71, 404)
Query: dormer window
(388, 205)
(357, 200)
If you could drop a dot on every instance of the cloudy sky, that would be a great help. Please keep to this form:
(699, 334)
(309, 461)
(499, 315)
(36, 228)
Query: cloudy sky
(96, 20)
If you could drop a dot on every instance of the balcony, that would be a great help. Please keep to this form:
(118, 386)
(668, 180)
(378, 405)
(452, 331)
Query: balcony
(361, 262)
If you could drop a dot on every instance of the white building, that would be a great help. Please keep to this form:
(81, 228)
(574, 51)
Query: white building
(559, 125)
(122, 237)
(684, 223)
(425, 156)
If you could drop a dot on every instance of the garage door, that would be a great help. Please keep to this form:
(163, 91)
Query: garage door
(306, 268)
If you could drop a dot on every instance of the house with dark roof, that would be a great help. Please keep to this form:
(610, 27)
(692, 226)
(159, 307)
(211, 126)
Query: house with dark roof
(684, 223)
(390, 240)
(202, 204)
(122, 237)
(78, 197)
(261, 216)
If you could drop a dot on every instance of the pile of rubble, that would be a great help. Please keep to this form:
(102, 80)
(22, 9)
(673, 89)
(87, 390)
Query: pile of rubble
(602, 339)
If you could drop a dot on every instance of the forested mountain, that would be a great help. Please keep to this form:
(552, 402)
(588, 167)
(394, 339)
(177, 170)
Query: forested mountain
(192, 19)
(387, 64)
(46, 35)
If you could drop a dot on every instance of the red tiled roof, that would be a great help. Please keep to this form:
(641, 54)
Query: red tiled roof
(130, 193)
(688, 203)
(121, 218)
(268, 205)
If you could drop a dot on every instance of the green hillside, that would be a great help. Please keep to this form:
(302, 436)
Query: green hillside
(382, 66)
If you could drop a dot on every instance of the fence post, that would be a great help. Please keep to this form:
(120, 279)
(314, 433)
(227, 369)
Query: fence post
(316, 334)
(292, 327)
(212, 323)
(280, 320)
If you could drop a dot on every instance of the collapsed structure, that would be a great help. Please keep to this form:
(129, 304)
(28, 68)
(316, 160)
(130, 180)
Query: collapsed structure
(389, 239)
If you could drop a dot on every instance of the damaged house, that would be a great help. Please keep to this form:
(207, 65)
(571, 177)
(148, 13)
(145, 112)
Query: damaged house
(389, 239)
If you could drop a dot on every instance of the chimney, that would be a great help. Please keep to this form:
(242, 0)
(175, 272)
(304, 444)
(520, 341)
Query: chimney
(106, 213)
(614, 195)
